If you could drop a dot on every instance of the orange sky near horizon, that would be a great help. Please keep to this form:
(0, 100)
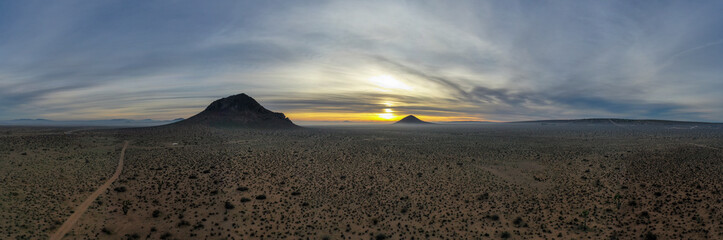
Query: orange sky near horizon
(380, 117)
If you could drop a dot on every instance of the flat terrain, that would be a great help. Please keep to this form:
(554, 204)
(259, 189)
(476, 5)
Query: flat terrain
(517, 181)
(80, 210)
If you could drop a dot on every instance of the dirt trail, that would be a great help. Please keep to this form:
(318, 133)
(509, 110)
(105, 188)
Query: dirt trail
(68, 224)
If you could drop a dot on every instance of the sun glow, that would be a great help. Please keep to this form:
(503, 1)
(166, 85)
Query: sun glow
(387, 116)
(368, 117)
(387, 83)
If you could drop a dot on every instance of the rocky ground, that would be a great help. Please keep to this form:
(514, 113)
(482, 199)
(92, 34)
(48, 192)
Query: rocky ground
(517, 181)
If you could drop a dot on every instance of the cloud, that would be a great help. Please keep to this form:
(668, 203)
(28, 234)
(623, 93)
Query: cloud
(510, 60)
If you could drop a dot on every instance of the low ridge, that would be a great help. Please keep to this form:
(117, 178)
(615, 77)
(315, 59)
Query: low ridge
(239, 111)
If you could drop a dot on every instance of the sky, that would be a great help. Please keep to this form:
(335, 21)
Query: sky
(364, 60)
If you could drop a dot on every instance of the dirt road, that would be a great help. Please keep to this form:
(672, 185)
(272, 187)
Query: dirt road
(68, 224)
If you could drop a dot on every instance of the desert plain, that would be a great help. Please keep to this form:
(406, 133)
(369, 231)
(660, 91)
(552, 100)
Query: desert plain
(474, 181)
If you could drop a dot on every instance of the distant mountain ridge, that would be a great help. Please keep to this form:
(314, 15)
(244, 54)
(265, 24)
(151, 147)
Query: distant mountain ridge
(618, 121)
(632, 122)
(87, 123)
(467, 122)
(238, 111)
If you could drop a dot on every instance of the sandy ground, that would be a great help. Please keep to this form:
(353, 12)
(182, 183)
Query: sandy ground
(78, 212)
(522, 181)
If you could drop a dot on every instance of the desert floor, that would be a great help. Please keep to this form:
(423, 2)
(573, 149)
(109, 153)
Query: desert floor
(517, 181)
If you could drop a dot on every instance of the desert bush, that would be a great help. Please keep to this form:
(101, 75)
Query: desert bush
(517, 221)
(126, 207)
(483, 197)
(650, 236)
(183, 223)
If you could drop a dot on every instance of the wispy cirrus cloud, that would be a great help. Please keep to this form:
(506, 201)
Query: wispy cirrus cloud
(510, 60)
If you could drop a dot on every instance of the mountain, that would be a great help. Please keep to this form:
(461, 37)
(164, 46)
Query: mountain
(411, 119)
(468, 122)
(87, 123)
(630, 122)
(238, 111)
(617, 121)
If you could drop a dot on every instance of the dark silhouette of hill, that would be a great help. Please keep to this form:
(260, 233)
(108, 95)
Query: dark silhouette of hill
(411, 119)
(238, 111)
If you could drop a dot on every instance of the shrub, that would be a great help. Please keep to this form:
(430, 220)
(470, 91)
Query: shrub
(133, 236)
(517, 221)
(166, 235)
(650, 236)
(483, 197)
(120, 189)
(183, 223)
(126, 207)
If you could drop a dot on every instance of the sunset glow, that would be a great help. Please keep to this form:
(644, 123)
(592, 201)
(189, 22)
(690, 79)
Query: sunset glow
(387, 116)
(371, 117)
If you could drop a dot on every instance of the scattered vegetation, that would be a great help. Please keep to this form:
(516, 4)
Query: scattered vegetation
(488, 181)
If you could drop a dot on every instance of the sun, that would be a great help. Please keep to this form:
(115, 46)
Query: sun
(387, 83)
(387, 116)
